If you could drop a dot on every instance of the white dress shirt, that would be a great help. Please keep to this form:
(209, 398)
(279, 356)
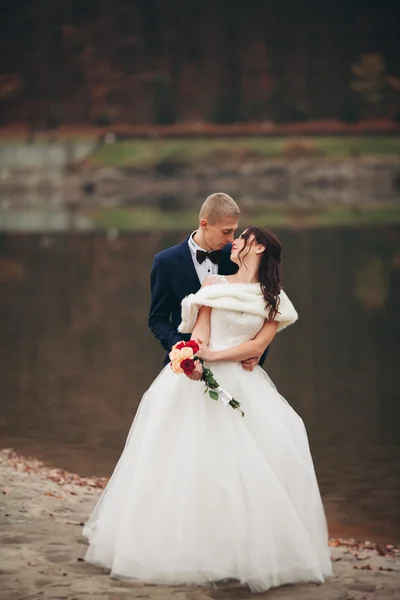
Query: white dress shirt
(204, 269)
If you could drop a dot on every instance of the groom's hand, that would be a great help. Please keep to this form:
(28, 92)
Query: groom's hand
(250, 363)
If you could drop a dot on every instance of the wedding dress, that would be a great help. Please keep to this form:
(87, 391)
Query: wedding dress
(201, 493)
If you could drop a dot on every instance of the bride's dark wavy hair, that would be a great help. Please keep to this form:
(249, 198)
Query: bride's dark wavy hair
(269, 269)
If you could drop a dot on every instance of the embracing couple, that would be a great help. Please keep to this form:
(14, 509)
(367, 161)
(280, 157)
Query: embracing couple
(201, 494)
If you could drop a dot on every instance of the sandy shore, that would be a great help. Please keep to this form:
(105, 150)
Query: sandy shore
(41, 549)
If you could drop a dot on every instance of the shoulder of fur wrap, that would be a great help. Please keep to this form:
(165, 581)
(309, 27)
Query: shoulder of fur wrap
(287, 314)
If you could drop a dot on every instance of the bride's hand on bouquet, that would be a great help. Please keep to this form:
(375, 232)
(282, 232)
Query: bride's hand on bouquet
(204, 352)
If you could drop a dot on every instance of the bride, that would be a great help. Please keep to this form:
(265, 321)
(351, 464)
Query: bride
(200, 493)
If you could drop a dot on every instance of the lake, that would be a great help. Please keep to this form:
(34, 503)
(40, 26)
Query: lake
(77, 355)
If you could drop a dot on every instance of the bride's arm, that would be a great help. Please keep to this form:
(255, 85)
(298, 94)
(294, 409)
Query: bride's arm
(201, 330)
(241, 352)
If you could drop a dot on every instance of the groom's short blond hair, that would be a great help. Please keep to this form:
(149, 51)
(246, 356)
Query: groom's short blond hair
(217, 207)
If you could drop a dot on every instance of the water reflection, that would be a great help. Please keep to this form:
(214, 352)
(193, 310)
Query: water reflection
(78, 356)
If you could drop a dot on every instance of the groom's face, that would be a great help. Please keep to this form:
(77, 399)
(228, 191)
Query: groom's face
(217, 235)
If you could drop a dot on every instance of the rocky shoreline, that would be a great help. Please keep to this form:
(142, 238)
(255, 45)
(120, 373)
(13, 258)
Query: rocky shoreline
(42, 549)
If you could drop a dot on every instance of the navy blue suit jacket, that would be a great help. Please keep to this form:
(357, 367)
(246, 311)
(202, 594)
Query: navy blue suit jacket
(173, 276)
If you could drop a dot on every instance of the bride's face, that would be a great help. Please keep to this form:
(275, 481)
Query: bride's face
(238, 245)
(252, 249)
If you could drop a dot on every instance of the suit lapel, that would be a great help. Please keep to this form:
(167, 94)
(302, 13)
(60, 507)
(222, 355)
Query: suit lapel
(225, 265)
(222, 266)
(186, 262)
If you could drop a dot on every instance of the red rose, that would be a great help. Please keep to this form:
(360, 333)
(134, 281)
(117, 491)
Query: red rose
(180, 345)
(188, 366)
(193, 345)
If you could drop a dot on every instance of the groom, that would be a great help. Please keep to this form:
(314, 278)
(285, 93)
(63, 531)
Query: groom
(181, 270)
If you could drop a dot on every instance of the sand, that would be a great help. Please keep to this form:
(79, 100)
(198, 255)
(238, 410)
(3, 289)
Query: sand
(41, 549)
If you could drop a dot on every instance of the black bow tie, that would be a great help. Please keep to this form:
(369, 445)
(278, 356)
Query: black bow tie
(213, 255)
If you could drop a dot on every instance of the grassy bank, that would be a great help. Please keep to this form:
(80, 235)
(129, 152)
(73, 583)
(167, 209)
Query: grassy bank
(143, 219)
(139, 153)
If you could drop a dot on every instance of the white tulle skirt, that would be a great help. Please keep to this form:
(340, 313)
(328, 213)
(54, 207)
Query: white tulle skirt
(202, 494)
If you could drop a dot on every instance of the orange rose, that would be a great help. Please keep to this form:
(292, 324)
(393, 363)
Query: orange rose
(186, 352)
(174, 354)
(176, 366)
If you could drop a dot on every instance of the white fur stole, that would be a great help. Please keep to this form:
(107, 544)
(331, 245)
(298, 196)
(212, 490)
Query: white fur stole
(241, 297)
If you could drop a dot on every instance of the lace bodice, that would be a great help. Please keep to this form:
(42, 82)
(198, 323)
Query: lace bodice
(229, 327)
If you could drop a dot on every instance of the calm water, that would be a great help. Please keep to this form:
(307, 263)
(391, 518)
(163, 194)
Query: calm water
(77, 356)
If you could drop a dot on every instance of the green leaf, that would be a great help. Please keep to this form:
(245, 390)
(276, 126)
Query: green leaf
(213, 395)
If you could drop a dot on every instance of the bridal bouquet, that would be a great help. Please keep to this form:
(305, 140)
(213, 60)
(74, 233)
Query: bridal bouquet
(184, 360)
